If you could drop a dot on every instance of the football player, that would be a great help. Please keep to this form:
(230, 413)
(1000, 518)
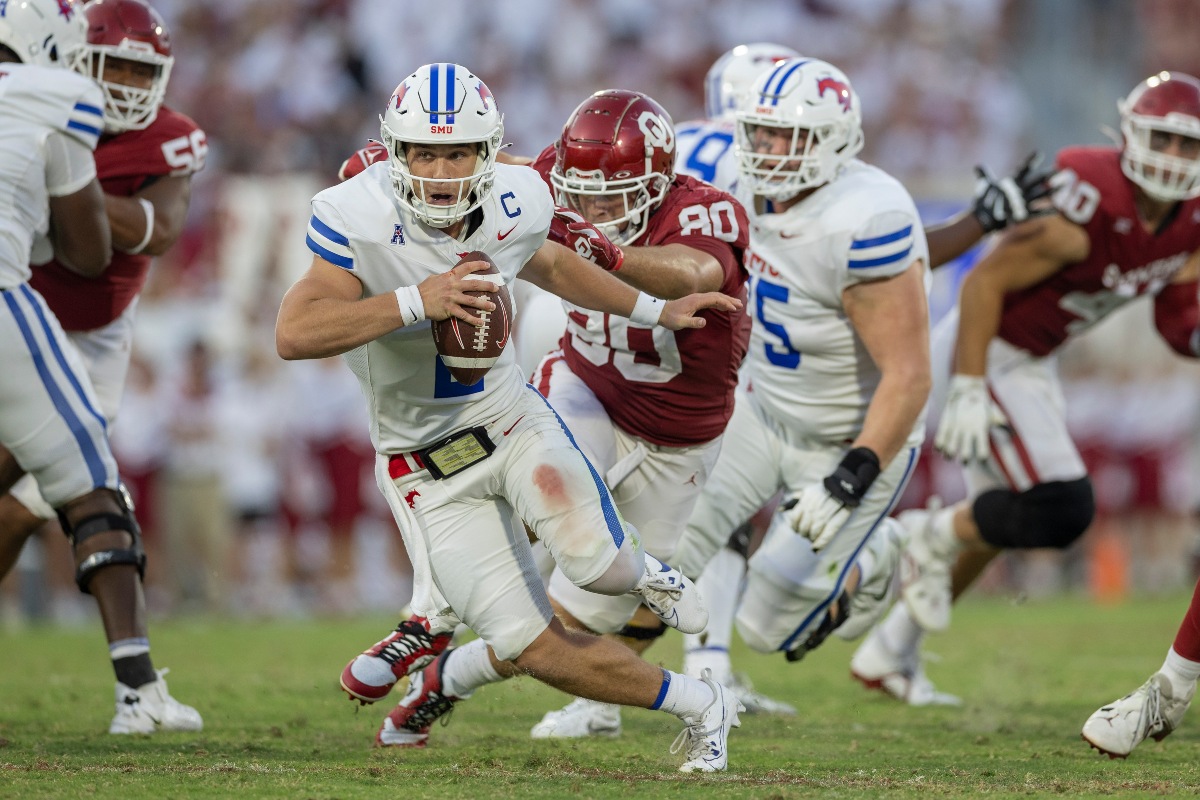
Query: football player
(1127, 226)
(145, 159)
(462, 466)
(838, 369)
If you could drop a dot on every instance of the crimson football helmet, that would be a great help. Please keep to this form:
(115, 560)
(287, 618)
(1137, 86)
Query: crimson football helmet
(1166, 103)
(132, 31)
(812, 107)
(733, 74)
(48, 33)
(616, 153)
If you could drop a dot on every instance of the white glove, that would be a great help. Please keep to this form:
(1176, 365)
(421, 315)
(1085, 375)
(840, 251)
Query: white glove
(969, 416)
(816, 515)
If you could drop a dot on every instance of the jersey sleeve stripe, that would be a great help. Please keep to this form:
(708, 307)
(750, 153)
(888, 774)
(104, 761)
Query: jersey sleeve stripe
(861, 244)
(345, 262)
(879, 262)
(327, 232)
(85, 108)
(91, 130)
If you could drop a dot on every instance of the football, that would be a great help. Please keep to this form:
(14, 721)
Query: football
(469, 351)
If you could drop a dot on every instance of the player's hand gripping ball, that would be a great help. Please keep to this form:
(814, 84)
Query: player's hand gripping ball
(467, 350)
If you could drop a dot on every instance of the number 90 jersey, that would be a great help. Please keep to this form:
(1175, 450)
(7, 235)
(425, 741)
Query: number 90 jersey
(358, 226)
(1124, 259)
(671, 388)
(172, 145)
(807, 368)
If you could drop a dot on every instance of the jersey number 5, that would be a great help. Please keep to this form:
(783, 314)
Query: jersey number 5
(783, 354)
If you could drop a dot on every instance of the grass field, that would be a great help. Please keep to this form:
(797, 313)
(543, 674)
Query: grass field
(276, 725)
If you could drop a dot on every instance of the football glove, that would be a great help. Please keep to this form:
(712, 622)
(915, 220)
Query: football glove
(573, 231)
(374, 151)
(999, 202)
(821, 509)
(967, 420)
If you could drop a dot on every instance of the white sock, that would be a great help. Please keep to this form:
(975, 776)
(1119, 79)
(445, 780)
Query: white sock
(468, 668)
(899, 632)
(682, 696)
(1182, 673)
(944, 542)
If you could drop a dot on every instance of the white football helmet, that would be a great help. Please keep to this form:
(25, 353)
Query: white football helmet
(1166, 103)
(442, 104)
(811, 106)
(48, 33)
(733, 74)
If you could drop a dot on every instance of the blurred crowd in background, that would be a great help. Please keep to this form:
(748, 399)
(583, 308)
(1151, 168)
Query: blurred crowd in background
(253, 476)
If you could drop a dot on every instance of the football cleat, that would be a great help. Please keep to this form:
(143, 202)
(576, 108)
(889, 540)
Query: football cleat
(1153, 710)
(409, 648)
(925, 570)
(876, 593)
(754, 701)
(673, 598)
(704, 740)
(423, 703)
(898, 675)
(150, 708)
(578, 719)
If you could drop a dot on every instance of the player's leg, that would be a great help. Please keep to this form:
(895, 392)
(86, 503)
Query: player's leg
(1155, 708)
(794, 597)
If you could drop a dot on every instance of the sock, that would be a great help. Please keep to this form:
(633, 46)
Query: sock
(468, 668)
(1187, 641)
(900, 634)
(1182, 672)
(682, 696)
(131, 661)
(943, 540)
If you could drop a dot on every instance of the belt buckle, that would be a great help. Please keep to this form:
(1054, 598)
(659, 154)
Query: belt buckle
(457, 452)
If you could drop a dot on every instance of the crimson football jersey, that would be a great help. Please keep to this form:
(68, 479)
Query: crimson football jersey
(672, 388)
(1125, 260)
(125, 163)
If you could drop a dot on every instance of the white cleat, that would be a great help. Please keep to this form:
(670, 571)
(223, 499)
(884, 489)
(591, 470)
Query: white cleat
(578, 719)
(925, 571)
(754, 701)
(150, 708)
(901, 676)
(704, 740)
(877, 593)
(1151, 711)
(673, 598)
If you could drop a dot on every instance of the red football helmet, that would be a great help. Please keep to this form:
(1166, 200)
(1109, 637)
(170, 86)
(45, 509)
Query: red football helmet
(1163, 104)
(133, 31)
(615, 162)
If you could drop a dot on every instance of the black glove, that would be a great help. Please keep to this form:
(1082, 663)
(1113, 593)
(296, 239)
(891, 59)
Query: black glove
(999, 202)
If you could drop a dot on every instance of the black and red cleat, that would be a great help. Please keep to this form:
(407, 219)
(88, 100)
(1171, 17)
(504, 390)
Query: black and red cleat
(424, 703)
(372, 674)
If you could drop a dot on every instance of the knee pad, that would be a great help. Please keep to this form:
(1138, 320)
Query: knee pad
(642, 634)
(1051, 514)
(95, 524)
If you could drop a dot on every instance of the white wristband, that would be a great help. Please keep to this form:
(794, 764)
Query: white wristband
(412, 307)
(148, 210)
(647, 310)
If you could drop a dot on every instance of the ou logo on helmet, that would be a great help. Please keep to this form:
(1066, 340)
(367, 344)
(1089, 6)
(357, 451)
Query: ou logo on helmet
(657, 132)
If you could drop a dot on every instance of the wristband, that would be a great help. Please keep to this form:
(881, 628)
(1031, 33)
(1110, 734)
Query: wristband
(148, 210)
(412, 307)
(647, 310)
(1196, 342)
(854, 475)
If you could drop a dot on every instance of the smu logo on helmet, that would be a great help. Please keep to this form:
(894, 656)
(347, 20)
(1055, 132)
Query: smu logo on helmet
(65, 9)
(840, 90)
(485, 94)
(398, 95)
(657, 132)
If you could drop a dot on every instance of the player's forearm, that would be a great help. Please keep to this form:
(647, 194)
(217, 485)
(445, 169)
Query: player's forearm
(323, 327)
(582, 283)
(949, 240)
(894, 409)
(669, 273)
(980, 306)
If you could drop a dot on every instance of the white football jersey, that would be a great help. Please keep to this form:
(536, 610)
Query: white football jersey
(37, 103)
(704, 150)
(807, 367)
(357, 225)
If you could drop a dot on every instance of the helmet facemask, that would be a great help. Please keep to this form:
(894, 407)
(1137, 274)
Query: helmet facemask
(129, 107)
(628, 202)
(1164, 177)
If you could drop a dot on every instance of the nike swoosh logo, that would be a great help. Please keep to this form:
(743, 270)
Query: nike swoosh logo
(515, 424)
(501, 236)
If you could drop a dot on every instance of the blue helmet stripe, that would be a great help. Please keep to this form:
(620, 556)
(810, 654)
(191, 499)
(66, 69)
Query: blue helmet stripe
(450, 84)
(783, 79)
(433, 94)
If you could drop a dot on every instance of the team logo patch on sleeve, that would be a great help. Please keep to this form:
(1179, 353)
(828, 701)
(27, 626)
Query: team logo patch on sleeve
(398, 234)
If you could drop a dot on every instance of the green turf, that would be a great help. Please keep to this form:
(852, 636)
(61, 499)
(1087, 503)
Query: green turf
(276, 726)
